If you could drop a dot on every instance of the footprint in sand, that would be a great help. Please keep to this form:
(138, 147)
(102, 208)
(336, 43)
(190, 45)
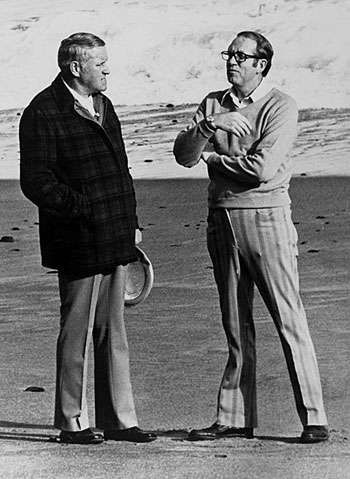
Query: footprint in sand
(7, 239)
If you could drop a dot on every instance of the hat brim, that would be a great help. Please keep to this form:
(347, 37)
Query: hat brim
(139, 279)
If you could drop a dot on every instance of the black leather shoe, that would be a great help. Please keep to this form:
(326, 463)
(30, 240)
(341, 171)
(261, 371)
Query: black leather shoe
(87, 436)
(217, 431)
(133, 434)
(313, 434)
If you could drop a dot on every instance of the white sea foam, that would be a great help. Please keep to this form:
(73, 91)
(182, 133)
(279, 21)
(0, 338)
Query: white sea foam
(168, 51)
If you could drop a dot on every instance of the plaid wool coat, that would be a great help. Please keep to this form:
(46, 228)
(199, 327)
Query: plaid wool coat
(75, 169)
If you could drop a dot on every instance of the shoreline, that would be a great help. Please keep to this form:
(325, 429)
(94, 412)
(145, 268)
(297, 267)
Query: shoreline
(321, 149)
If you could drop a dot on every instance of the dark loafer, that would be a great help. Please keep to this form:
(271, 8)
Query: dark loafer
(132, 434)
(217, 431)
(313, 434)
(87, 436)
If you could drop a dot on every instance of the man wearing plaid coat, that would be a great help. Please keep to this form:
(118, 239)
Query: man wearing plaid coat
(75, 169)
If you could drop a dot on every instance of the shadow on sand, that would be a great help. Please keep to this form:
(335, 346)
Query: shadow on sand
(182, 435)
(173, 434)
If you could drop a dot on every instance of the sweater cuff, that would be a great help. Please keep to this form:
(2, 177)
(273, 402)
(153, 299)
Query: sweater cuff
(205, 129)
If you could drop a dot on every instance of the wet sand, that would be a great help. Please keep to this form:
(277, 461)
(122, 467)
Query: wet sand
(177, 346)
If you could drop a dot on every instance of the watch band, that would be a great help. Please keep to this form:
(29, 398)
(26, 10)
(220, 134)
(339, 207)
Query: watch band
(210, 122)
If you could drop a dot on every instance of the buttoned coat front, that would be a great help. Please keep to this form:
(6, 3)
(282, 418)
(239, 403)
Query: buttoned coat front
(75, 169)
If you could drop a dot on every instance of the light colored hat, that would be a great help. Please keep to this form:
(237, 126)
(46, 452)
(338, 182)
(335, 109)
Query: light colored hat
(139, 279)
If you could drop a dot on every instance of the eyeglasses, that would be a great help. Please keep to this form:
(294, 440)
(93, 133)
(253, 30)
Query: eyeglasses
(240, 57)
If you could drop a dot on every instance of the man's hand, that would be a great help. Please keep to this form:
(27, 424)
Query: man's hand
(232, 122)
(138, 236)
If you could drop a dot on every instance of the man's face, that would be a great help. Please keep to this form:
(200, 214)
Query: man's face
(94, 71)
(242, 74)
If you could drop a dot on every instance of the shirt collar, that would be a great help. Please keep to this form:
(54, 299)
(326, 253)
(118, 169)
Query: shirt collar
(260, 91)
(87, 103)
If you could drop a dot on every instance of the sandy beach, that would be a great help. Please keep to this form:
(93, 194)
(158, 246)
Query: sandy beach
(177, 345)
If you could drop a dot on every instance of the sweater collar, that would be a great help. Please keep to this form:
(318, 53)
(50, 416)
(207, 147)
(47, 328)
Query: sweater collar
(262, 89)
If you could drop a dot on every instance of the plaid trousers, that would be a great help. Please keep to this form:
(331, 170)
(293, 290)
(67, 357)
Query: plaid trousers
(259, 246)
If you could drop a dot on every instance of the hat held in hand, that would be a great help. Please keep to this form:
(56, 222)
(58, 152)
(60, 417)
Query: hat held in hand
(139, 279)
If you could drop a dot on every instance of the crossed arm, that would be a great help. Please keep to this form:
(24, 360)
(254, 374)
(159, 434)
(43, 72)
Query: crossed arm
(269, 143)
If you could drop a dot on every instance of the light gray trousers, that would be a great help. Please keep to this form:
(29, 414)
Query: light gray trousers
(259, 246)
(93, 308)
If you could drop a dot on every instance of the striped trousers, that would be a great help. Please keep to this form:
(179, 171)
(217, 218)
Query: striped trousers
(259, 246)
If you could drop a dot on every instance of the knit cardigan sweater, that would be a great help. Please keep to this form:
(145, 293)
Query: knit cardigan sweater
(249, 172)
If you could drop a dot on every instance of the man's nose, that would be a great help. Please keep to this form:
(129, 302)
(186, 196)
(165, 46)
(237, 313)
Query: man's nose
(106, 70)
(232, 61)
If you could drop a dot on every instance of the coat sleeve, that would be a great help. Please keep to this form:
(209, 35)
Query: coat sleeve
(39, 177)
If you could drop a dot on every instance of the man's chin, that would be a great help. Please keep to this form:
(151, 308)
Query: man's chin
(233, 80)
(101, 89)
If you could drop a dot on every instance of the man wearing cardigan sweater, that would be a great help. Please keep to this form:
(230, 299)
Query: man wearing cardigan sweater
(74, 168)
(245, 135)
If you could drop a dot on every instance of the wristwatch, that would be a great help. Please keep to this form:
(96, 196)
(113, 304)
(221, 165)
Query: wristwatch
(210, 122)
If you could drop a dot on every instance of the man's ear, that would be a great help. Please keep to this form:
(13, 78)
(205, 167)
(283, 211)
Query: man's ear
(75, 68)
(261, 65)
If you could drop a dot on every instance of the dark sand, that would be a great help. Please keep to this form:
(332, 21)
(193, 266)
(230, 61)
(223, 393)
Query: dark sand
(178, 349)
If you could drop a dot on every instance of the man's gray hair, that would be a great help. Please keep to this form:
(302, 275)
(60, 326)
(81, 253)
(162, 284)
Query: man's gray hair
(75, 48)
